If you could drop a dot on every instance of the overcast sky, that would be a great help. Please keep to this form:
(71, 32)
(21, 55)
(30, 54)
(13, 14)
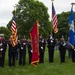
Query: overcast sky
(6, 7)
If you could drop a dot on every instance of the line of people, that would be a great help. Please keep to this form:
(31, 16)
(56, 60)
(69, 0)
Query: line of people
(50, 42)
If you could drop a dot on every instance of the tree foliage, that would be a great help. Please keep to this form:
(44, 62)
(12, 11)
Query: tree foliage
(27, 12)
(63, 25)
(5, 31)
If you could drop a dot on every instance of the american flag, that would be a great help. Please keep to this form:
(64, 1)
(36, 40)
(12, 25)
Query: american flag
(14, 36)
(54, 20)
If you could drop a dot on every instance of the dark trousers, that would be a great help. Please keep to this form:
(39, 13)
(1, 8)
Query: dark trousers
(2, 59)
(1, 62)
(22, 58)
(41, 57)
(12, 56)
(70, 53)
(16, 55)
(62, 55)
(51, 54)
(30, 57)
(73, 55)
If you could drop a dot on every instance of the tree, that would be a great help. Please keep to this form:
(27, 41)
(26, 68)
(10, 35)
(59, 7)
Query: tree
(27, 12)
(63, 25)
(5, 31)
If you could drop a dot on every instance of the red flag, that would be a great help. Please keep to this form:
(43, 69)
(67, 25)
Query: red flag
(14, 36)
(54, 20)
(35, 44)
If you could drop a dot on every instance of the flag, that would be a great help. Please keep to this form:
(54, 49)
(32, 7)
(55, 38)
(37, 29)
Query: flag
(35, 44)
(14, 36)
(71, 31)
(54, 19)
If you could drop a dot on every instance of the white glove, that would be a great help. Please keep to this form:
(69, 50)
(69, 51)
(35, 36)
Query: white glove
(51, 41)
(31, 51)
(41, 47)
(21, 47)
(0, 44)
(64, 44)
(1, 49)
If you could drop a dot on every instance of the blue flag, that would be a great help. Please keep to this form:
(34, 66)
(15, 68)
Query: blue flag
(71, 31)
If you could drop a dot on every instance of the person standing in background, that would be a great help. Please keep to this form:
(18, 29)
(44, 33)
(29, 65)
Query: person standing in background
(42, 44)
(22, 51)
(51, 44)
(3, 46)
(62, 49)
(11, 53)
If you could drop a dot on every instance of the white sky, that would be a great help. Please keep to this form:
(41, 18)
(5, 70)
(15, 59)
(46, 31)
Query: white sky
(6, 7)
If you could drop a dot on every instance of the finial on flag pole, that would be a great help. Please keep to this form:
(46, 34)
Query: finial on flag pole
(52, 0)
(14, 12)
(72, 4)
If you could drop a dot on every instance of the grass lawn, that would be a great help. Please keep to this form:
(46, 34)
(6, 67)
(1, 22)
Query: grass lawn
(55, 68)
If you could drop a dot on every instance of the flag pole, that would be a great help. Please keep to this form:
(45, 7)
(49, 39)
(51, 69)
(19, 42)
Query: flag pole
(14, 12)
(72, 8)
(51, 22)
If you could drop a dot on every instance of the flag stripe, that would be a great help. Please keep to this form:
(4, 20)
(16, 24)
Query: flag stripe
(54, 19)
(14, 33)
(13, 27)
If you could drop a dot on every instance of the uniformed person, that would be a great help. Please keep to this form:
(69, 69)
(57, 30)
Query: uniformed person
(3, 46)
(11, 53)
(51, 44)
(62, 49)
(29, 51)
(1, 53)
(42, 44)
(22, 51)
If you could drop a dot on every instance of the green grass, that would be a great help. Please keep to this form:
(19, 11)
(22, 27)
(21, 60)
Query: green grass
(55, 68)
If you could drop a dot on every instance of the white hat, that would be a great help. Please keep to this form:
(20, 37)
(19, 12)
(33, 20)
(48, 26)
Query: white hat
(2, 35)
